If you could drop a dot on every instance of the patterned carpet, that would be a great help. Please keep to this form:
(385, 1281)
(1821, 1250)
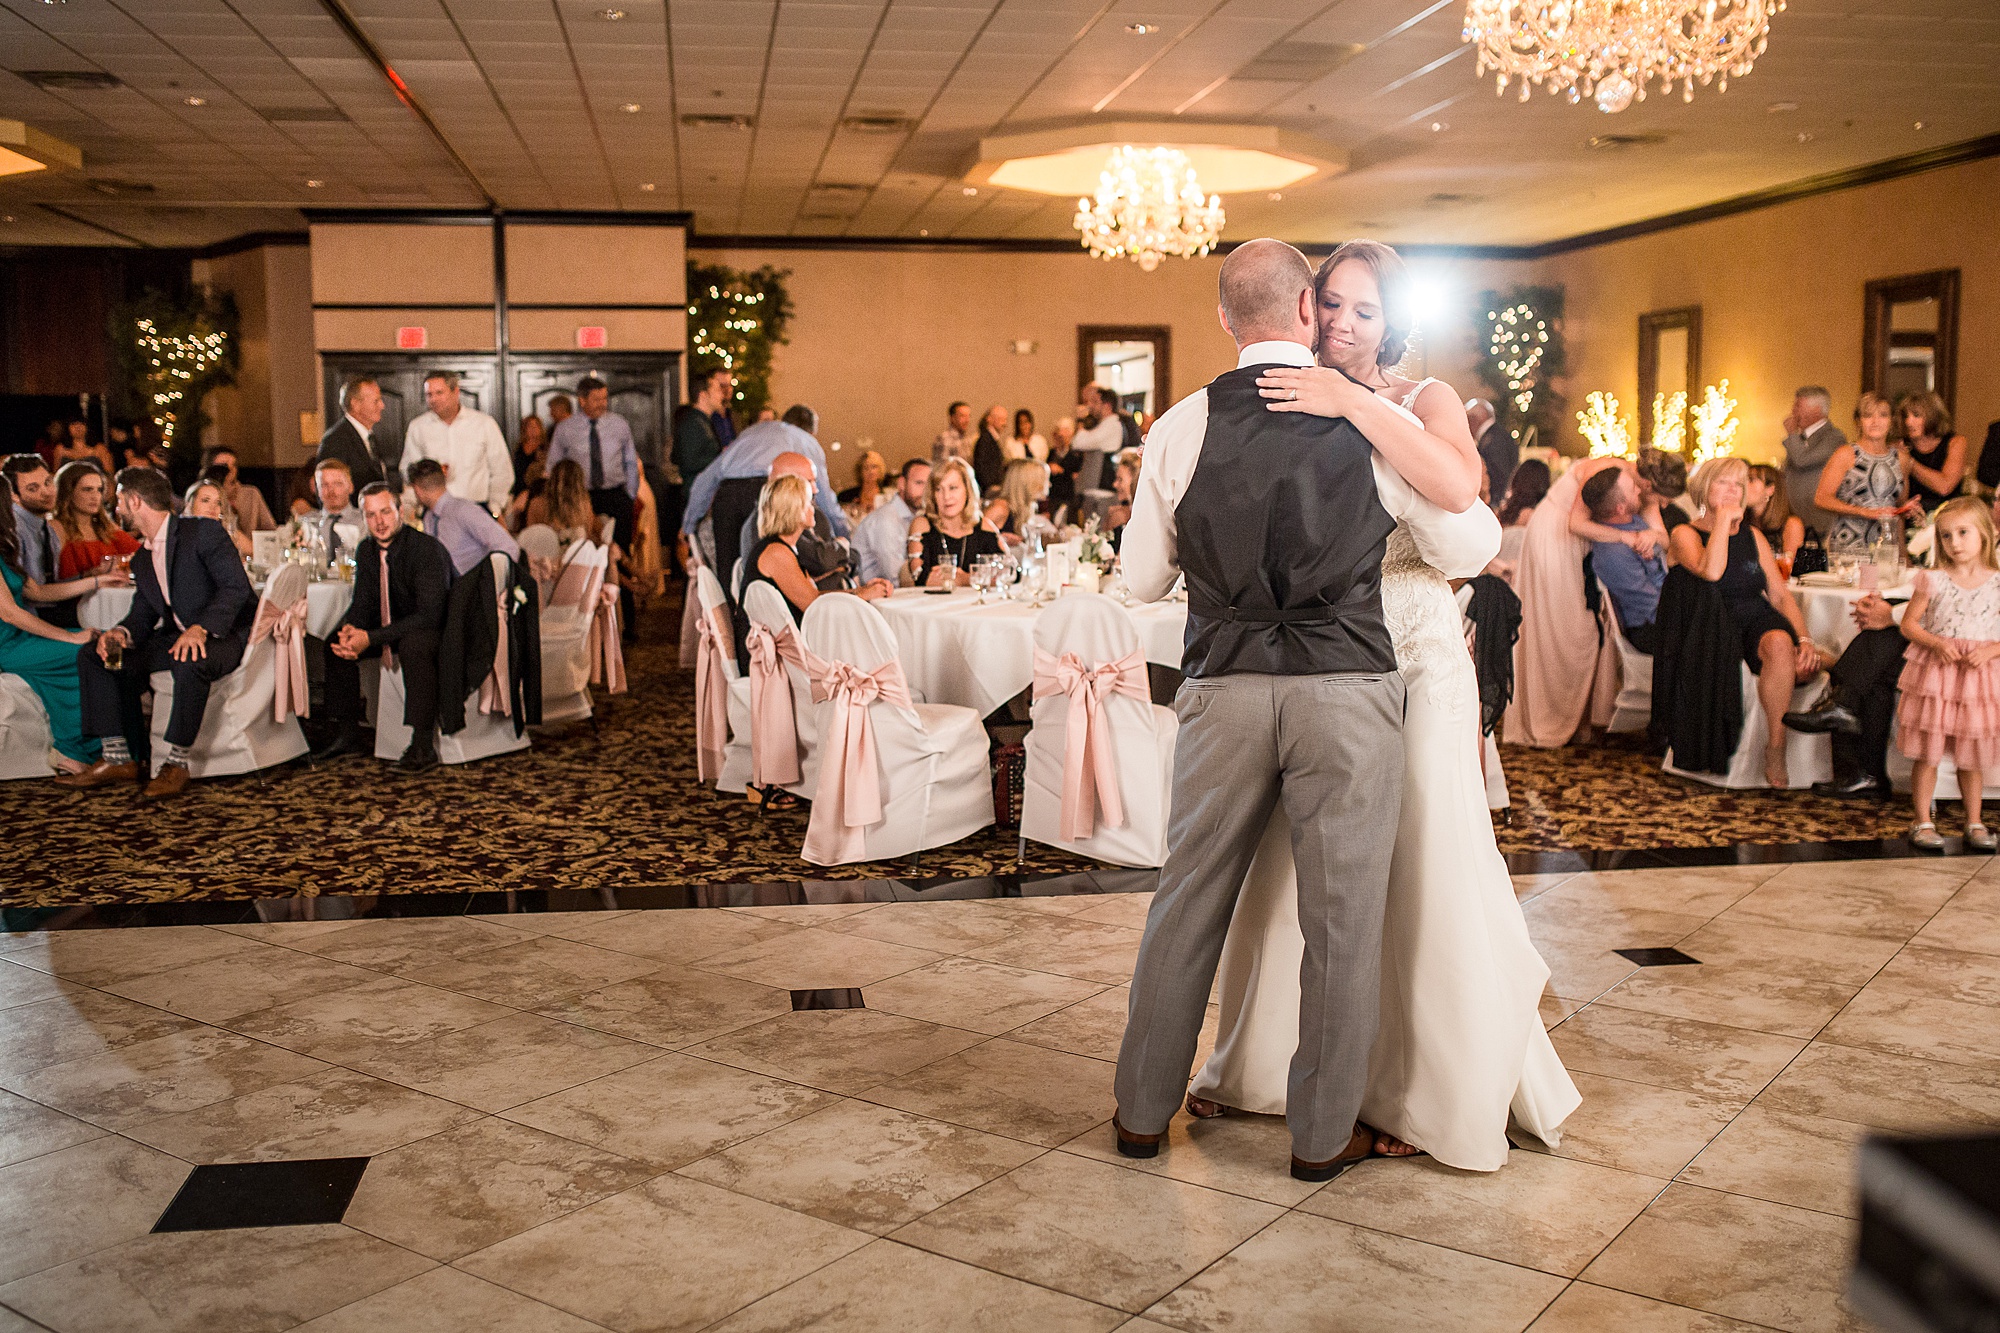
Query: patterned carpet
(619, 807)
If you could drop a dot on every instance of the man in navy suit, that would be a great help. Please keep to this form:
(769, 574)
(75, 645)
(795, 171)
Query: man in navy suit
(190, 616)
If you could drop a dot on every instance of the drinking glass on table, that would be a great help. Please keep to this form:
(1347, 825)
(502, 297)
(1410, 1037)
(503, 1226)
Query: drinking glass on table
(986, 571)
(947, 566)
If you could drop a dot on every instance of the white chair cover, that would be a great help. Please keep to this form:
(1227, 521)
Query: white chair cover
(1902, 770)
(1136, 736)
(1633, 708)
(1808, 759)
(241, 730)
(567, 621)
(715, 669)
(484, 734)
(933, 782)
(24, 731)
(765, 606)
(539, 541)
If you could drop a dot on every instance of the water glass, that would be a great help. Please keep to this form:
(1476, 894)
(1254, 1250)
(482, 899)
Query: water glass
(947, 566)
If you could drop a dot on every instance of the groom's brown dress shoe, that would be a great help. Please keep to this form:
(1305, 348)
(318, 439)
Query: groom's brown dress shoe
(99, 774)
(1360, 1148)
(172, 780)
(1135, 1145)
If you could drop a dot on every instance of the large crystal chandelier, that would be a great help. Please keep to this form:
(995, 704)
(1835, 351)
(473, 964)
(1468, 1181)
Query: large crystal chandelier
(1609, 50)
(1149, 205)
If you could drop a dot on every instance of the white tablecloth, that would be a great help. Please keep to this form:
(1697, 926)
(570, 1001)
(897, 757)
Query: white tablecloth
(326, 603)
(958, 652)
(1827, 611)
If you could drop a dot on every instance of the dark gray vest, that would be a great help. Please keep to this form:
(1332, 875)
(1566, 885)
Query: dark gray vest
(1281, 536)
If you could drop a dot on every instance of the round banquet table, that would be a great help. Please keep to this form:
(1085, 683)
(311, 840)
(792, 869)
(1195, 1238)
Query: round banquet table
(1827, 610)
(326, 603)
(956, 651)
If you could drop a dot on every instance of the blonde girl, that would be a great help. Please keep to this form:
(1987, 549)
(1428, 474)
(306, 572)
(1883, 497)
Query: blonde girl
(1951, 678)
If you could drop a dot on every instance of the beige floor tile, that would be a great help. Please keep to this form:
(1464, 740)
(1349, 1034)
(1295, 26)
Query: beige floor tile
(362, 1020)
(445, 1300)
(1930, 871)
(1813, 955)
(1607, 920)
(949, 927)
(288, 933)
(255, 1281)
(672, 1007)
(1538, 1211)
(670, 1111)
(1921, 1026)
(1005, 1087)
(1535, 885)
(220, 989)
(1587, 1309)
(670, 937)
(537, 971)
(1119, 909)
(1893, 1092)
(479, 1183)
(29, 1129)
(75, 1024)
(1581, 965)
(842, 1050)
(1049, 904)
(1312, 1272)
(164, 1076)
(94, 957)
(891, 1286)
(816, 959)
(1237, 1154)
(1880, 903)
(1803, 1160)
(1696, 891)
(506, 1062)
(405, 944)
(1639, 1128)
(334, 1113)
(1970, 921)
(806, 914)
(1120, 1238)
(979, 997)
(1067, 946)
(546, 923)
(1942, 974)
(1731, 996)
(18, 1323)
(604, 1262)
(864, 1166)
(67, 1204)
(1745, 1258)
(1555, 1009)
(21, 984)
(1092, 1027)
(1673, 1052)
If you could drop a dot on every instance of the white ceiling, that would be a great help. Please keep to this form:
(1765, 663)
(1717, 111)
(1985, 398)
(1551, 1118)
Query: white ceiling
(528, 96)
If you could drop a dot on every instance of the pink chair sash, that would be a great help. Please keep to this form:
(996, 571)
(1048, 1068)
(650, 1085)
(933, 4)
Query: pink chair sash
(287, 626)
(848, 799)
(607, 650)
(495, 693)
(711, 693)
(1090, 772)
(774, 729)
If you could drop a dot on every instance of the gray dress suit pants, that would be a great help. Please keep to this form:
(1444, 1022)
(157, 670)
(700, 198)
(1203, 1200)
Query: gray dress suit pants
(1331, 748)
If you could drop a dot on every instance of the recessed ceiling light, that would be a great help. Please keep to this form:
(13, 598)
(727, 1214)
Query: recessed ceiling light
(9, 217)
(969, 191)
(648, 187)
(195, 101)
(630, 108)
(314, 184)
(1142, 29)
(1920, 124)
(1777, 107)
(1276, 196)
(1439, 127)
(923, 231)
(611, 15)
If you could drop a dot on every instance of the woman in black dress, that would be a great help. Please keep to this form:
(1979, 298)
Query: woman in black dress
(950, 525)
(1937, 452)
(784, 510)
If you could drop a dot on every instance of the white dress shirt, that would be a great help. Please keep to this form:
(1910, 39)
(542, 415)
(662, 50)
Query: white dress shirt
(881, 540)
(471, 445)
(1456, 545)
(1107, 436)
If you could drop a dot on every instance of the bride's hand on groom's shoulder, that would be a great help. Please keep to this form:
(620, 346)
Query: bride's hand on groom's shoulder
(1314, 389)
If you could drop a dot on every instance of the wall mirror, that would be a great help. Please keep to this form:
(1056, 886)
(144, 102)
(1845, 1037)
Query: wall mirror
(1909, 338)
(1134, 361)
(1669, 360)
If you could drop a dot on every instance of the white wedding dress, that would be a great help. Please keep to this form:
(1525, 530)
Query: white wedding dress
(1461, 1041)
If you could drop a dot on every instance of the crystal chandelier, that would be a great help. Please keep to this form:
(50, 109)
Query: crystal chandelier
(1609, 50)
(1148, 205)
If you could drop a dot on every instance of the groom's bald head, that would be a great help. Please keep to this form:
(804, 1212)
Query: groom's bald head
(1267, 293)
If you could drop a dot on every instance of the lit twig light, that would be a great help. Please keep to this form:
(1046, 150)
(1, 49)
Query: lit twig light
(1610, 435)
(1715, 423)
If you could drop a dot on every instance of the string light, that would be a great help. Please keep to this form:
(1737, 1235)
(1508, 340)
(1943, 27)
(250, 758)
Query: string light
(724, 339)
(1670, 420)
(174, 363)
(1518, 343)
(1610, 435)
(1715, 423)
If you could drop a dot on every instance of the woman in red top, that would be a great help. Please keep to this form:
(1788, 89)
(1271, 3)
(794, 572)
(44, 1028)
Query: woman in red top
(89, 534)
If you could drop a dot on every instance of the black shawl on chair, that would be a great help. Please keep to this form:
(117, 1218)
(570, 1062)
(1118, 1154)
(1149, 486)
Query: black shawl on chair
(1497, 612)
(1697, 675)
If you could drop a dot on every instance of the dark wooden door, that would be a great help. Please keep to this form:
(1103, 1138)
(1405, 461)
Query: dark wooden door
(401, 375)
(644, 386)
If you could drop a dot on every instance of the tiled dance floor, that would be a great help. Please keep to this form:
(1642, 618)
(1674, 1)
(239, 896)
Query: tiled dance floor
(663, 1120)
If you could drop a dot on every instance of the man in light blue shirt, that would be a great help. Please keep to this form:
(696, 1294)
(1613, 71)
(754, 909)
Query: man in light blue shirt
(468, 532)
(750, 457)
(881, 541)
(1633, 581)
(599, 441)
(34, 500)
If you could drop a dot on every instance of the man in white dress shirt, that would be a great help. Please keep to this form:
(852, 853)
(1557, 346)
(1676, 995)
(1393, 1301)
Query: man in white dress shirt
(477, 463)
(1100, 434)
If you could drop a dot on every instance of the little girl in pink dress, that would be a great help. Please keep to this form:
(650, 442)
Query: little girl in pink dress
(1951, 676)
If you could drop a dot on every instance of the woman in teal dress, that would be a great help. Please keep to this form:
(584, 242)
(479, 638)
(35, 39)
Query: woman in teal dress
(41, 654)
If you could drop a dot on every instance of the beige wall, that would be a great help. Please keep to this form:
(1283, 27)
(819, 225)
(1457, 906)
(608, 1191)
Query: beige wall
(557, 263)
(276, 379)
(402, 263)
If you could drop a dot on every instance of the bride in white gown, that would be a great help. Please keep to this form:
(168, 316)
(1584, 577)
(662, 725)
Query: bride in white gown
(1461, 1042)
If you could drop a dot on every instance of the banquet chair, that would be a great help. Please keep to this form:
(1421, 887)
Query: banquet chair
(246, 726)
(1633, 709)
(1100, 755)
(1808, 759)
(767, 611)
(539, 543)
(24, 731)
(895, 777)
(567, 620)
(484, 734)
(718, 647)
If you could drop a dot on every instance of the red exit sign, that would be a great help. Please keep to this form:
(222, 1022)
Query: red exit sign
(413, 338)
(591, 336)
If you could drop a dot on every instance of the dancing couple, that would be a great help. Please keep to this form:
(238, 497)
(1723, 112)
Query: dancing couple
(1329, 843)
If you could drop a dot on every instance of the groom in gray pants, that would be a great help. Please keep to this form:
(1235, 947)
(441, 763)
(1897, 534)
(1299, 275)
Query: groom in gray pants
(1278, 521)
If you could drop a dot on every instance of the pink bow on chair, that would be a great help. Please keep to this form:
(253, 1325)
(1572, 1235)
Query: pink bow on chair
(1090, 771)
(287, 626)
(849, 797)
(495, 694)
(607, 652)
(711, 693)
(774, 728)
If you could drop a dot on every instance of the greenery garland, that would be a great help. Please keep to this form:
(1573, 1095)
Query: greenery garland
(736, 318)
(172, 352)
(1522, 341)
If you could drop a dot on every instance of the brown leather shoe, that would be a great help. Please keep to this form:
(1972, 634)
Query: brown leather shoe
(1360, 1147)
(172, 781)
(1135, 1145)
(99, 774)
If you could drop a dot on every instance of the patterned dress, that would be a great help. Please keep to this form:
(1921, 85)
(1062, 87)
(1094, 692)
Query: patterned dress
(1875, 481)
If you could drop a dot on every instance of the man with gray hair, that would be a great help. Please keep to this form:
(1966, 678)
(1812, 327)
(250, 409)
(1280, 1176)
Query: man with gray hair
(464, 441)
(352, 438)
(1498, 449)
(1810, 439)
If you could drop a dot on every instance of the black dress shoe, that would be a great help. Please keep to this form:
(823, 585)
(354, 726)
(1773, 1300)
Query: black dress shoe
(1861, 784)
(347, 740)
(419, 758)
(1831, 713)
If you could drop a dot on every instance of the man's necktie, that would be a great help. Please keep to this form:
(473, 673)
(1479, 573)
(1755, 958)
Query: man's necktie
(382, 566)
(48, 553)
(596, 459)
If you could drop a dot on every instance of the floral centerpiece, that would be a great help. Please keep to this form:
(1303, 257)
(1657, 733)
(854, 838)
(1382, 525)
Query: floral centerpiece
(1094, 556)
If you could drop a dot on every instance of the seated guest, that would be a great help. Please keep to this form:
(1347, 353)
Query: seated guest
(564, 507)
(42, 654)
(402, 580)
(1124, 485)
(1022, 487)
(1632, 580)
(1662, 477)
(467, 529)
(333, 486)
(1937, 452)
(727, 490)
(1525, 490)
(33, 496)
(1026, 443)
(246, 503)
(870, 488)
(1064, 463)
(204, 500)
(879, 539)
(1859, 704)
(191, 617)
(950, 525)
(77, 446)
(91, 540)
(1772, 513)
(1723, 548)
(784, 511)
(824, 557)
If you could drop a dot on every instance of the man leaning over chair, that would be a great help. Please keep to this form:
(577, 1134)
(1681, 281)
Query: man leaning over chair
(191, 617)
